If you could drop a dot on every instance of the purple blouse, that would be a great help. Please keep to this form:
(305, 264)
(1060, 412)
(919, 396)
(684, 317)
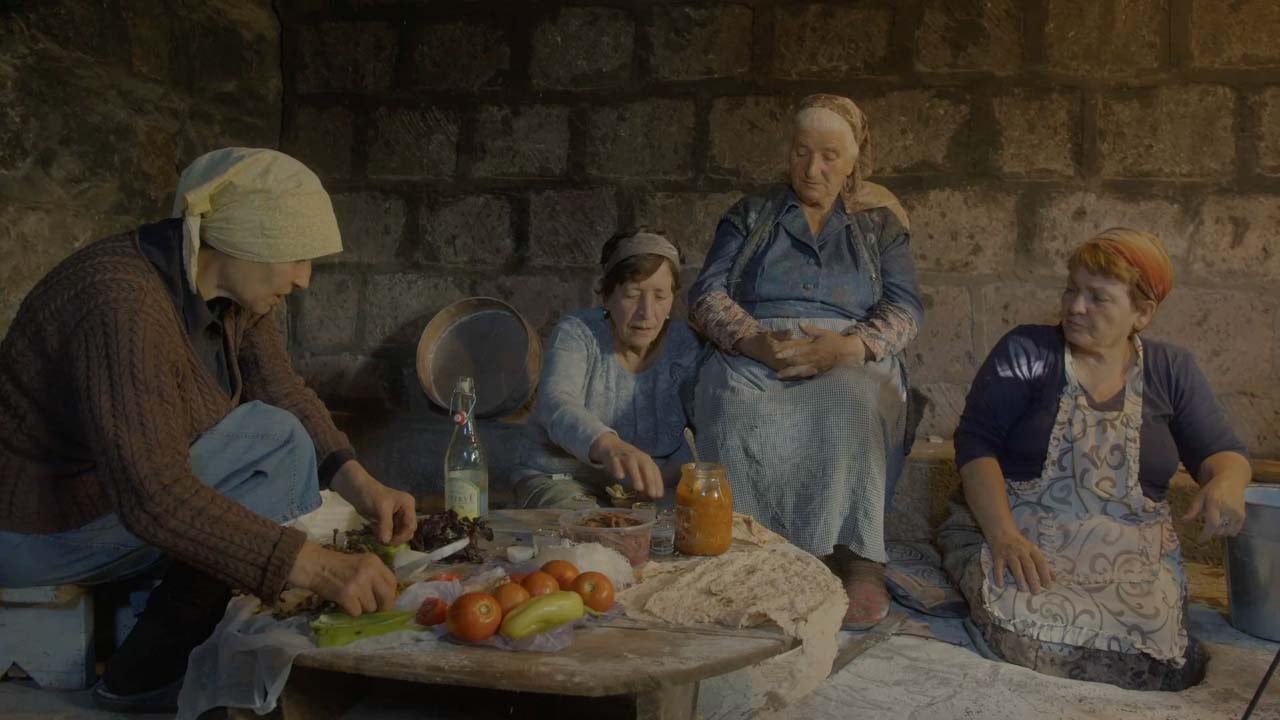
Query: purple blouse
(1013, 403)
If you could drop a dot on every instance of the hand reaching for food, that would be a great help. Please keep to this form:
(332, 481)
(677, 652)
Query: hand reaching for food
(624, 461)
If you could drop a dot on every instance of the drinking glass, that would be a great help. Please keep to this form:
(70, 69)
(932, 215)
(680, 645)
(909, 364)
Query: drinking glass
(662, 540)
(647, 510)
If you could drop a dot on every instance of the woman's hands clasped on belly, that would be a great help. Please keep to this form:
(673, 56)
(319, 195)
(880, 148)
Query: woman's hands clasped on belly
(817, 352)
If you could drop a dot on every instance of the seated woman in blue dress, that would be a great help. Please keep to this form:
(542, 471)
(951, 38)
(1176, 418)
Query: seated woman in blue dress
(809, 295)
(609, 405)
(1066, 550)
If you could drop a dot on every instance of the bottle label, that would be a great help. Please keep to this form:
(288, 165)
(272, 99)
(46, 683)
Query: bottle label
(463, 496)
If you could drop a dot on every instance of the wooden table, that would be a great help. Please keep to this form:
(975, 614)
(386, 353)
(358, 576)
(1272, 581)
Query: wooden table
(647, 672)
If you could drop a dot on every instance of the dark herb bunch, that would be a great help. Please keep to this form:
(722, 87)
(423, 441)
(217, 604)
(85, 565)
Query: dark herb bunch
(440, 529)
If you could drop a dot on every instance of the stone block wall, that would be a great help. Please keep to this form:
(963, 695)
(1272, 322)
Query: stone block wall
(490, 147)
(103, 103)
(487, 147)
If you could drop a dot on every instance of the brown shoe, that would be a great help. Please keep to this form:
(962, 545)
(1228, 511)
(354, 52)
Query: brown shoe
(864, 584)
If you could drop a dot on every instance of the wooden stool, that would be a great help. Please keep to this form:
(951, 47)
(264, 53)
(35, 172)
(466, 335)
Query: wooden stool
(48, 633)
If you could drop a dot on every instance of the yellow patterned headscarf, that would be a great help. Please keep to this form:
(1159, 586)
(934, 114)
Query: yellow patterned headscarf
(861, 194)
(254, 204)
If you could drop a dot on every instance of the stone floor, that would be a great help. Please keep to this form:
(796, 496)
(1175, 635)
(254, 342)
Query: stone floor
(913, 678)
(927, 673)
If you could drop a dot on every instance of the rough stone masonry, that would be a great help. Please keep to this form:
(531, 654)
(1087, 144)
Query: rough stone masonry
(488, 147)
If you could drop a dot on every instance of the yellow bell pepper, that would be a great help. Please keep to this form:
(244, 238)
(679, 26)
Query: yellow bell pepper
(542, 614)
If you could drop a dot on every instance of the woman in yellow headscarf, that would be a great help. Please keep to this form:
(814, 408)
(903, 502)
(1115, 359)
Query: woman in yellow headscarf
(150, 419)
(1071, 433)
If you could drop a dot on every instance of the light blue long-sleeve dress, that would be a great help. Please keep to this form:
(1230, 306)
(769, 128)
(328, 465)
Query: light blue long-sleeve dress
(585, 392)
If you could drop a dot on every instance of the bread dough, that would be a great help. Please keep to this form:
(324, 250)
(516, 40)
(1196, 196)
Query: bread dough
(749, 586)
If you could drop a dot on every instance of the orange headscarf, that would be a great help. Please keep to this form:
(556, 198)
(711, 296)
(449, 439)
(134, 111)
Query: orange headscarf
(1145, 252)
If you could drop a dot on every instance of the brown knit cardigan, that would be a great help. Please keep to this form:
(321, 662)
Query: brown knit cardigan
(101, 397)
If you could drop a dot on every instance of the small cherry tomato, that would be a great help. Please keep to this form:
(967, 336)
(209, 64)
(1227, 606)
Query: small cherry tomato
(563, 571)
(596, 590)
(540, 583)
(474, 617)
(511, 596)
(432, 611)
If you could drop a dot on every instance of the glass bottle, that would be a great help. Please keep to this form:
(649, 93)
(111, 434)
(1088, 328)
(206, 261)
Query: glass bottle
(466, 472)
(704, 510)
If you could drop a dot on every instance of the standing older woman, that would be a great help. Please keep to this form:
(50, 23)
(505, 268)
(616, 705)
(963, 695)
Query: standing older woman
(609, 403)
(1070, 436)
(809, 294)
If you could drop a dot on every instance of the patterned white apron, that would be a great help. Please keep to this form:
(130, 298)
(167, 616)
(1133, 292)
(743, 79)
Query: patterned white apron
(1119, 583)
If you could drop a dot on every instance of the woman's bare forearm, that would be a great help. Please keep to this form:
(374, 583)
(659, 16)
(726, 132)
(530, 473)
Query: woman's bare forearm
(984, 489)
(1226, 467)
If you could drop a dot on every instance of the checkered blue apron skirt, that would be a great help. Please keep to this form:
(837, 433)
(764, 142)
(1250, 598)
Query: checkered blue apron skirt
(814, 460)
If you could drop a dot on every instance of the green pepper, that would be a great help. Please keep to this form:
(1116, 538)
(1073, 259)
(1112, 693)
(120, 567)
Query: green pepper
(542, 614)
(334, 629)
(387, 553)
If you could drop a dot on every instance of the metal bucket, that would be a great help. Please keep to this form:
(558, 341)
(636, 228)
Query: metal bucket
(485, 339)
(1253, 565)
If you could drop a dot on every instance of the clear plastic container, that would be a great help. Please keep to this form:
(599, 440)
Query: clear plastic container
(546, 537)
(632, 541)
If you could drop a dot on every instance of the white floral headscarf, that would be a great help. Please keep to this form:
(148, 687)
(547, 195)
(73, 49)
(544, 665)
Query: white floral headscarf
(254, 204)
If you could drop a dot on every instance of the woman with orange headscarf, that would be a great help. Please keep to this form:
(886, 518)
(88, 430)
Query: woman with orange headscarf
(1070, 436)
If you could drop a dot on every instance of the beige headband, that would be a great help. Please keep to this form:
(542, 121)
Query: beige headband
(643, 243)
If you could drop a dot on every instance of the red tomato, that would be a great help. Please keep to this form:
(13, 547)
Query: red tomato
(596, 590)
(432, 611)
(563, 571)
(474, 617)
(443, 577)
(518, 578)
(540, 583)
(510, 596)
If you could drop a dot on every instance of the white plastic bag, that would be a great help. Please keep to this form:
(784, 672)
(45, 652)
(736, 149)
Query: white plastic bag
(334, 513)
(411, 598)
(551, 641)
(245, 663)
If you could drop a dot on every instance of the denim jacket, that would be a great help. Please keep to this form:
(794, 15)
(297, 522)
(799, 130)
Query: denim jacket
(857, 267)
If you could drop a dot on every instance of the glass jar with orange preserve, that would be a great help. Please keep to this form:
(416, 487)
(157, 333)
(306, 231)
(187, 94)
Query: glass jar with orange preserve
(704, 510)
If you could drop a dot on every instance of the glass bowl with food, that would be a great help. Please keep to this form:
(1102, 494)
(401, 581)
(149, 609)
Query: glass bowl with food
(622, 529)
